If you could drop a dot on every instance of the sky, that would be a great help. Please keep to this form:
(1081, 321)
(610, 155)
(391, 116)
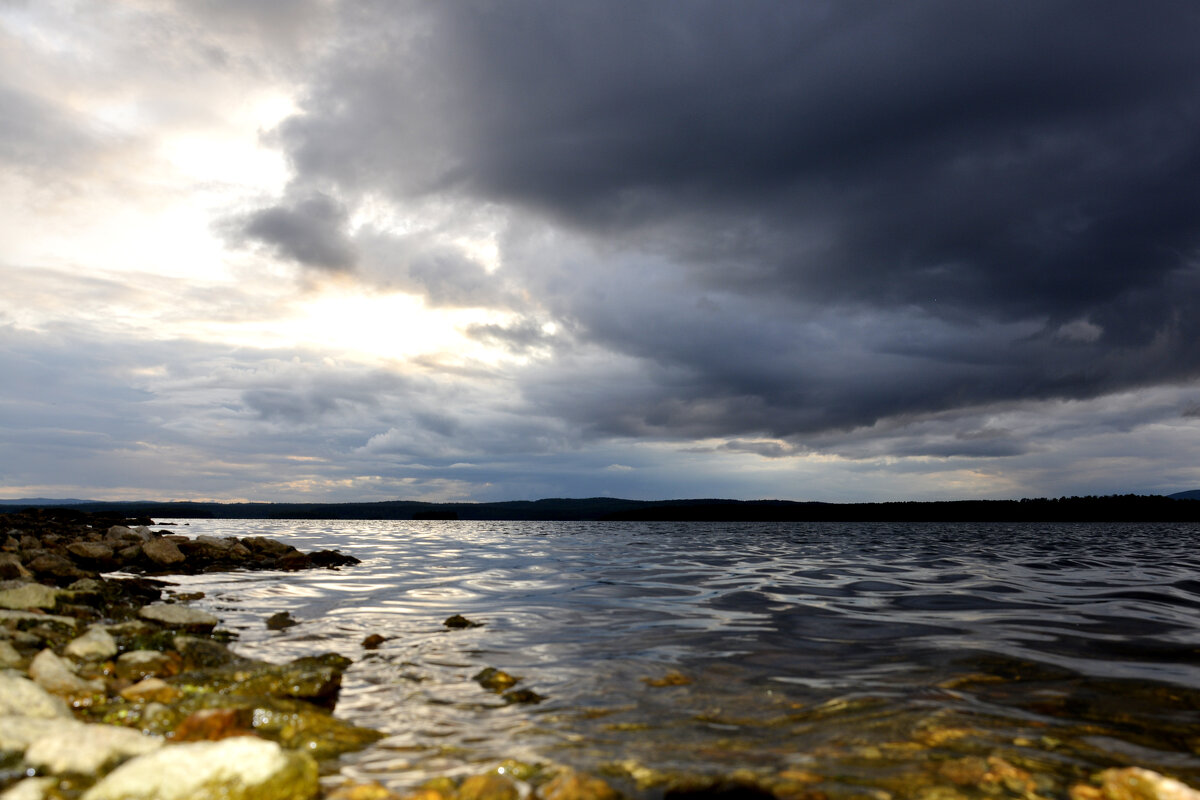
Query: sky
(312, 250)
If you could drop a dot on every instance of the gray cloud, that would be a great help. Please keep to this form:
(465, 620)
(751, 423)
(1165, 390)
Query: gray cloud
(310, 231)
(977, 203)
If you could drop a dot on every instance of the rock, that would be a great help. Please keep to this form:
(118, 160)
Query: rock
(95, 645)
(373, 641)
(162, 552)
(331, 559)
(277, 622)
(21, 697)
(214, 724)
(56, 676)
(314, 679)
(522, 696)
(1135, 783)
(459, 621)
(139, 664)
(56, 567)
(180, 617)
(488, 787)
(91, 552)
(9, 657)
(198, 653)
(293, 562)
(151, 690)
(264, 546)
(361, 791)
(240, 768)
(572, 785)
(30, 789)
(11, 567)
(121, 532)
(496, 680)
(30, 595)
(672, 678)
(69, 747)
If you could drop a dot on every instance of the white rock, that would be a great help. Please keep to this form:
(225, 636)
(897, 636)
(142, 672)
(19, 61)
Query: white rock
(30, 789)
(95, 645)
(240, 768)
(56, 675)
(89, 749)
(22, 697)
(1135, 783)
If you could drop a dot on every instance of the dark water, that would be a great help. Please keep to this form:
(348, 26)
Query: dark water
(869, 660)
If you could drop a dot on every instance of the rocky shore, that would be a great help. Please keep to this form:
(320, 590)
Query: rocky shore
(113, 688)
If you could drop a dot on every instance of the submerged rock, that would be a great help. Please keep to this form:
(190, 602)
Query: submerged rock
(572, 785)
(281, 620)
(458, 621)
(240, 768)
(496, 680)
(490, 786)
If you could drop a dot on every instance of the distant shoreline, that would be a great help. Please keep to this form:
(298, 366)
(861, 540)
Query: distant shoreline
(1109, 508)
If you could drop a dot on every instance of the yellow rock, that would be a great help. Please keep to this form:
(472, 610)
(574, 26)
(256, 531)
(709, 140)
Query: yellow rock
(488, 787)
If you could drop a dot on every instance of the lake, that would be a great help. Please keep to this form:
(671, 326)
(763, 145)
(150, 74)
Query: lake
(856, 660)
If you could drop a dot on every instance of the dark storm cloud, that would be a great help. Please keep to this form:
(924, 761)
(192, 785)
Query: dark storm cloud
(311, 231)
(903, 208)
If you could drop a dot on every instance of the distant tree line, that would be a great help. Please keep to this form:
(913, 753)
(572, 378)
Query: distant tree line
(1108, 508)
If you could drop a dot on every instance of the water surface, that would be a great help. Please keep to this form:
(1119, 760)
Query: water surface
(865, 658)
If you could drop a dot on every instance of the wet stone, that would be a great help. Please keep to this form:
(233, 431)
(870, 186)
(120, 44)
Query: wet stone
(458, 621)
(95, 645)
(495, 680)
(522, 696)
(571, 785)
(281, 620)
(138, 664)
(30, 595)
(180, 617)
(20, 696)
(162, 552)
(151, 690)
(56, 676)
(373, 641)
(488, 787)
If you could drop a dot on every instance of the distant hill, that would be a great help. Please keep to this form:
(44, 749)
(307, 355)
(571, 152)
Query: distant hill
(26, 502)
(1110, 508)
(1191, 494)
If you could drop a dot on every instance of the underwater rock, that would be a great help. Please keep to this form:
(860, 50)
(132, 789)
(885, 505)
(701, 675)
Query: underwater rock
(522, 696)
(138, 664)
(672, 678)
(151, 690)
(496, 680)
(213, 724)
(281, 620)
(240, 768)
(458, 621)
(572, 785)
(490, 786)
(373, 641)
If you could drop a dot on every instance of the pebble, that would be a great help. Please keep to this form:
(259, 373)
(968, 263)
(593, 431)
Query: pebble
(95, 645)
(56, 676)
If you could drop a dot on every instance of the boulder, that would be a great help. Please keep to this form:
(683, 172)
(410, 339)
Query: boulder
(179, 617)
(162, 552)
(91, 552)
(240, 768)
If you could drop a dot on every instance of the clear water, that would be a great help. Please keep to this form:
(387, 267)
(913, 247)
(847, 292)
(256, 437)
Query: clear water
(863, 654)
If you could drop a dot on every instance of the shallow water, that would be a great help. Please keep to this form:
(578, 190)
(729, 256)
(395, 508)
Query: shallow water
(859, 657)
